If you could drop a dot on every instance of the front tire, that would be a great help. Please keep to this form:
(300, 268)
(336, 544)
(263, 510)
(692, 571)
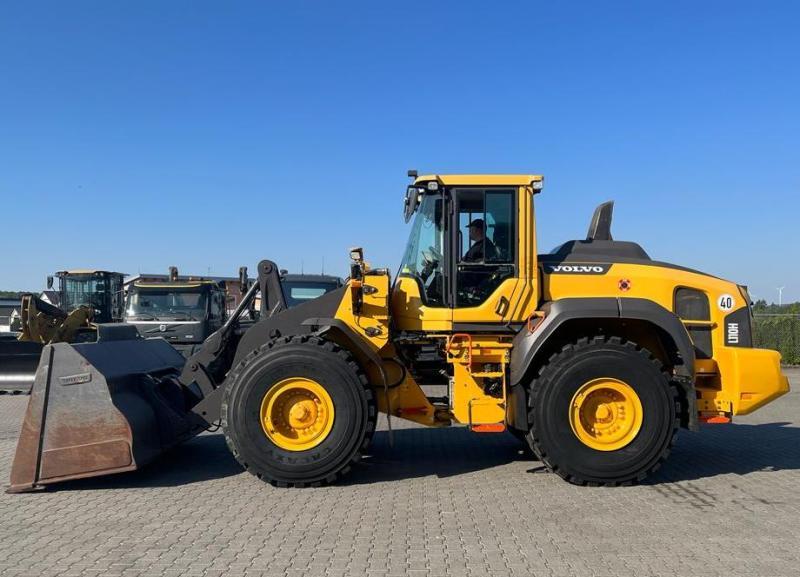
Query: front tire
(603, 412)
(297, 412)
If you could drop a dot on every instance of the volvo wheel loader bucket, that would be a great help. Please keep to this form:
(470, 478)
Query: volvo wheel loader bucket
(99, 408)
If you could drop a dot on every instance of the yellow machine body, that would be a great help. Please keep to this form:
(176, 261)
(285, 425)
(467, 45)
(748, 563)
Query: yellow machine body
(732, 381)
(594, 353)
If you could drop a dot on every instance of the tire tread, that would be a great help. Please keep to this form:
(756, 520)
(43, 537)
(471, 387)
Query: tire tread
(543, 376)
(371, 413)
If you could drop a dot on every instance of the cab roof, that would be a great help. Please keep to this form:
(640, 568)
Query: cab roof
(87, 271)
(179, 284)
(481, 179)
(322, 278)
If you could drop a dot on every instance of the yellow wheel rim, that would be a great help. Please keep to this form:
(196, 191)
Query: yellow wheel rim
(297, 414)
(605, 414)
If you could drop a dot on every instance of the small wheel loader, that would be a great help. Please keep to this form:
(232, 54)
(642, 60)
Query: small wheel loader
(84, 296)
(594, 354)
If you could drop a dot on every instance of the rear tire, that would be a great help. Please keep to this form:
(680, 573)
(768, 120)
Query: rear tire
(553, 436)
(303, 357)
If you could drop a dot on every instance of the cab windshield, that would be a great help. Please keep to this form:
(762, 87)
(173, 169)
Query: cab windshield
(166, 304)
(423, 258)
(84, 290)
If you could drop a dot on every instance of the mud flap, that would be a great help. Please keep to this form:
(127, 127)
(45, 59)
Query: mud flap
(101, 408)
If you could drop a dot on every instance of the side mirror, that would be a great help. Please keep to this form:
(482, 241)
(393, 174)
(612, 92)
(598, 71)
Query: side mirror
(50, 281)
(411, 202)
(357, 254)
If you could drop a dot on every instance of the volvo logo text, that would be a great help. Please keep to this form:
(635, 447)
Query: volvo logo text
(577, 268)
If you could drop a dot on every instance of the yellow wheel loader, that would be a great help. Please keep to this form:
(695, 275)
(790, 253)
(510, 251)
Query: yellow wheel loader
(595, 354)
(84, 296)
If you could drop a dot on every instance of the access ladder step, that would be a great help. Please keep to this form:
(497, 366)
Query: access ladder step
(488, 428)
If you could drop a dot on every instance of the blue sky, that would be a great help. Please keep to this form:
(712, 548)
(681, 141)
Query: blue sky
(138, 135)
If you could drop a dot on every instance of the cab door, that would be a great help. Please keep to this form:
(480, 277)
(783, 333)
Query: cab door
(493, 251)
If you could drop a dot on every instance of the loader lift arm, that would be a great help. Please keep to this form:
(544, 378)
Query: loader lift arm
(206, 369)
(43, 323)
(126, 399)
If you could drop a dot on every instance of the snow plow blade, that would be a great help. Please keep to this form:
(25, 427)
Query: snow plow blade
(99, 408)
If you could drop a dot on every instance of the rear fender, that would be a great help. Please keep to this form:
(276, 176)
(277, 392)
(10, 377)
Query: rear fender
(528, 345)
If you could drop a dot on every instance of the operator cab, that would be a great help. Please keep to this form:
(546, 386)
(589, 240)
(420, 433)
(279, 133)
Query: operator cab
(463, 260)
(99, 290)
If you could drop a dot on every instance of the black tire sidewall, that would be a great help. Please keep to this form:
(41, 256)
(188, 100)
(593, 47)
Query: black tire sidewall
(243, 422)
(561, 446)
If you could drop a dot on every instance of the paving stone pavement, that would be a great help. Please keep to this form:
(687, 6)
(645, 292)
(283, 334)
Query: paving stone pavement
(440, 502)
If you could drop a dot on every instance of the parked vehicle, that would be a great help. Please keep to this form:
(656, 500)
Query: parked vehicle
(85, 297)
(184, 312)
(301, 288)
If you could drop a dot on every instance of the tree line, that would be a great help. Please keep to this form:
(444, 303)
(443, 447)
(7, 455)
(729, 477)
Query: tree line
(778, 328)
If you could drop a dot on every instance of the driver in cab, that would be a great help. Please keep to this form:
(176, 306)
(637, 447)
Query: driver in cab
(473, 283)
(482, 248)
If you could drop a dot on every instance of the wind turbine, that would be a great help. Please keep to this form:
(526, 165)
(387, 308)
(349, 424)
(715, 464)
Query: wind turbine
(780, 295)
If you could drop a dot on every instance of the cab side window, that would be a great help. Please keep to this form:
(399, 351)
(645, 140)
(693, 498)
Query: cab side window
(485, 247)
